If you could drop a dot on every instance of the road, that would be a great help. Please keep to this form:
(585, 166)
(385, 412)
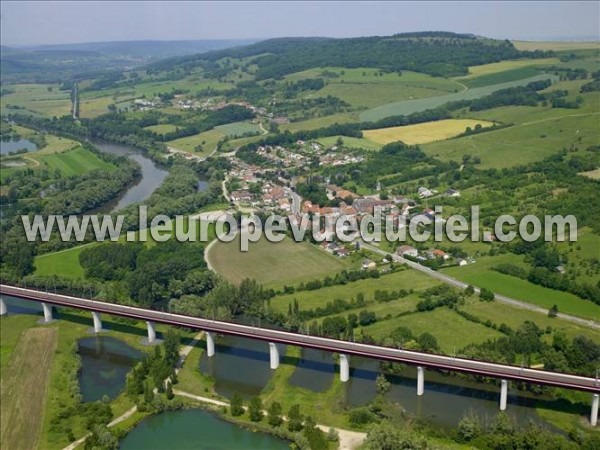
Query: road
(296, 201)
(459, 284)
(494, 370)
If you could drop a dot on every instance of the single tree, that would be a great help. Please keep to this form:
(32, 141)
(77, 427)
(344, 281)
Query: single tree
(275, 412)
(255, 409)
(237, 405)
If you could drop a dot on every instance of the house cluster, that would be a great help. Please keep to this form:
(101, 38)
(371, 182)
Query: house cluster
(335, 249)
(281, 156)
(430, 254)
(144, 105)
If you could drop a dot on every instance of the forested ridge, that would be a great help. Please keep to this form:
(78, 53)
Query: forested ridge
(436, 53)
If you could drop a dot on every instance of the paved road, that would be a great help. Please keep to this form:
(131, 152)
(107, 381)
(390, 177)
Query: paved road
(459, 284)
(488, 369)
(296, 201)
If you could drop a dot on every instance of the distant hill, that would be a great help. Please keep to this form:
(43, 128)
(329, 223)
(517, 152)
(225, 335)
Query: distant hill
(436, 53)
(61, 62)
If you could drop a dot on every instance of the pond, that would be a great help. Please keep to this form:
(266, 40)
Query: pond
(19, 144)
(105, 362)
(195, 429)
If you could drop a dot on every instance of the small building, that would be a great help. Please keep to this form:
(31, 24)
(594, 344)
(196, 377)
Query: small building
(452, 193)
(240, 196)
(424, 192)
(407, 250)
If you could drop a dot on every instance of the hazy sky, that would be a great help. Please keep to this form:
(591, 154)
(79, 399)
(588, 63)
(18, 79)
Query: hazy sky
(49, 22)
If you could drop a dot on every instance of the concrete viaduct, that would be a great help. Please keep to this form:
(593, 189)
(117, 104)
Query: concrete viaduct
(344, 348)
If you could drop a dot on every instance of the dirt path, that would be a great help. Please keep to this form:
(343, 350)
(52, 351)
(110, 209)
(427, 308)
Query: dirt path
(24, 387)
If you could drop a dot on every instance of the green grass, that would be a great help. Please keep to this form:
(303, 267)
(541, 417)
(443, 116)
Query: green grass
(74, 162)
(451, 330)
(274, 264)
(480, 274)
(208, 140)
(411, 106)
(238, 128)
(350, 142)
(64, 263)
(407, 279)
(500, 77)
(24, 384)
(500, 313)
(162, 128)
(38, 99)
(318, 122)
(523, 143)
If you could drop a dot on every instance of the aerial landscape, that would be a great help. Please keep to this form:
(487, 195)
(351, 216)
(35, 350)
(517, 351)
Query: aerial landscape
(306, 225)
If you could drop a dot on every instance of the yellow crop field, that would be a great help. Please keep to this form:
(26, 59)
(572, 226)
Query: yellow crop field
(424, 133)
(556, 45)
(486, 69)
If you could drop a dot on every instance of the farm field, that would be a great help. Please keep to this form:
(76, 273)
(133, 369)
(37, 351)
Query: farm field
(411, 106)
(350, 142)
(423, 133)
(238, 128)
(208, 140)
(73, 162)
(503, 66)
(273, 264)
(556, 45)
(24, 386)
(523, 143)
(407, 279)
(453, 332)
(162, 128)
(480, 274)
(38, 99)
(364, 88)
(499, 313)
(317, 122)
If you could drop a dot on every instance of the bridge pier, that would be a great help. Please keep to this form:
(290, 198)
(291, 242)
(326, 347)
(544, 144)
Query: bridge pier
(344, 367)
(3, 308)
(420, 380)
(47, 314)
(594, 415)
(210, 343)
(97, 322)
(151, 332)
(274, 355)
(503, 394)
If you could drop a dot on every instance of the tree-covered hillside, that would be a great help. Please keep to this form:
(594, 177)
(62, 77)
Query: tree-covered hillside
(435, 53)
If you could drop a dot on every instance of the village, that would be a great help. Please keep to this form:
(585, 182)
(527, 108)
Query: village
(270, 189)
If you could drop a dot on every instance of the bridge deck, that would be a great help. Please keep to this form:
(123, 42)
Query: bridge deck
(494, 370)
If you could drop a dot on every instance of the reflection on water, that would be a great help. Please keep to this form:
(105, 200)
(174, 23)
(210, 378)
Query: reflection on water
(105, 362)
(314, 370)
(446, 399)
(151, 176)
(239, 365)
(195, 429)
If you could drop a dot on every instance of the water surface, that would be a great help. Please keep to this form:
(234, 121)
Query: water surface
(19, 144)
(195, 429)
(105, 362)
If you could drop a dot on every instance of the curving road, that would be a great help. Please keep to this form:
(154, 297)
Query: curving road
(482, 368)
(459, 284)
